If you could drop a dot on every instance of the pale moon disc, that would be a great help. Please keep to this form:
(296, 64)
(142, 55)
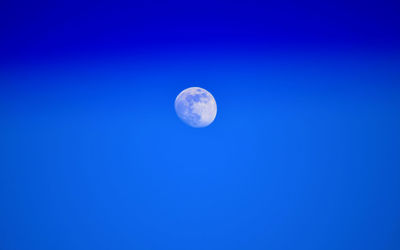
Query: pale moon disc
(196, 107)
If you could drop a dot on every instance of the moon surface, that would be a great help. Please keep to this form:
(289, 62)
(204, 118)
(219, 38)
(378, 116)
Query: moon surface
(196, 107)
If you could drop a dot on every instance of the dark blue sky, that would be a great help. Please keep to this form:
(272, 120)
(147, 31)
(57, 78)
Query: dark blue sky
(34, 30)
(303, 154)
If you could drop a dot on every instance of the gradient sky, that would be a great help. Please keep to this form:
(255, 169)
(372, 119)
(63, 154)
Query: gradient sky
(304, 152)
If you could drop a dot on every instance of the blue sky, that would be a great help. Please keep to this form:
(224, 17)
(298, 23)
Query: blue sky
(303, 153)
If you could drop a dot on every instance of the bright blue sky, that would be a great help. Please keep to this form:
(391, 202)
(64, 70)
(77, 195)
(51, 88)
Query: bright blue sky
(303, 154)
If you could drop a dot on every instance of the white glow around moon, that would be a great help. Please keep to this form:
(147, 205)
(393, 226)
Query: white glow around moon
(196, 107)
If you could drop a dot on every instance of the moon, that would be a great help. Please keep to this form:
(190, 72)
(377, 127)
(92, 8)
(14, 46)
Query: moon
(196, 107)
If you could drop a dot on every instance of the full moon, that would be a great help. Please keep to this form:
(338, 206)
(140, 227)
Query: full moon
(196, 107)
